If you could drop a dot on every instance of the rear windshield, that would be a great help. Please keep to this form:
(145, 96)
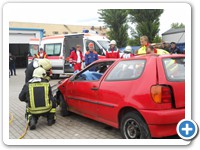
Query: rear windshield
(127, 70)
(174, 68)
(53, 49)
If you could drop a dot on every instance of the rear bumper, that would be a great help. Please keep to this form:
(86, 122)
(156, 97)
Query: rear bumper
(163, 123)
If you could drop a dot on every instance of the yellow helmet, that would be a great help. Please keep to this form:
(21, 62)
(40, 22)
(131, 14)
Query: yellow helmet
(45, 63)
(39, 72)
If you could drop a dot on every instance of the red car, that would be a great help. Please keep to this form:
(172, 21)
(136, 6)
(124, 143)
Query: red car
(143, 96)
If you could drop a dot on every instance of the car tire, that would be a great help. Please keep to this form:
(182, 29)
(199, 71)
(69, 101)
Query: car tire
(133, 126)
(63, 106)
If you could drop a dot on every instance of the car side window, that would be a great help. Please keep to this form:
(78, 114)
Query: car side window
(94, 72)
(174, 68)
(127, 70)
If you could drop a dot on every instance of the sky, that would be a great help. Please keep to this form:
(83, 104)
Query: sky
(69, 14)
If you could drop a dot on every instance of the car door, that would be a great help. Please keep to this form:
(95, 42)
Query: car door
(86, 85)
(118, 89)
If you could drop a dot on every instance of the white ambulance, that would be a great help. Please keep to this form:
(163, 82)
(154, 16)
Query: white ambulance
(58, 49)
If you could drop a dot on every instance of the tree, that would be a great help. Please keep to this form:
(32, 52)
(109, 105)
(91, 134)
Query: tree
(147, 22)
(177, 25)
(157, 39)
(116, 21)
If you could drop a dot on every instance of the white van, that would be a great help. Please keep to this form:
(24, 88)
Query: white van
(58, 49)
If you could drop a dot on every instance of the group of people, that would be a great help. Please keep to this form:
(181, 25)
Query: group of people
(76, 56)
(171, 48)
(147, 48)
(37, 93)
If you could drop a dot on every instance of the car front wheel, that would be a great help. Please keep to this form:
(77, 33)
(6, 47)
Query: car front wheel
(63, 106)
(134, 127)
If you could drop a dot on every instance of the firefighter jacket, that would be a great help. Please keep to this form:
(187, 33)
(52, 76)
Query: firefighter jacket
(112, 53)
(38, 96)
(90, 56)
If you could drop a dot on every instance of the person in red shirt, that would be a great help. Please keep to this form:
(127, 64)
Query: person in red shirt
(127, 52)
(76, 58)
(113, 51)
(41, 53)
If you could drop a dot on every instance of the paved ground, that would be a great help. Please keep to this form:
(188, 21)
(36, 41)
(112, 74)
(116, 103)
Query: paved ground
(70, 127)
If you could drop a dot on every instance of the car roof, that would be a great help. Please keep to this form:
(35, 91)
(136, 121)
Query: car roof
(148, 56)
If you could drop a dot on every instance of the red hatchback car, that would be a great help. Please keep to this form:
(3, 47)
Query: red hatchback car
(143, 96)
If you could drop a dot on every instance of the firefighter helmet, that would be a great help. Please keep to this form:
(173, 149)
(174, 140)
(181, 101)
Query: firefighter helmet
(39, 72)
(128, 49)
(45, 63)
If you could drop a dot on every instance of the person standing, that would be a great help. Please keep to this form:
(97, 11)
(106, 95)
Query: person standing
(113, 51)
(41, 53)
(91, 55)
(76, 58)
(38, 95)
(173, 49)
(12, 66)
(127, 52)
(144, 41)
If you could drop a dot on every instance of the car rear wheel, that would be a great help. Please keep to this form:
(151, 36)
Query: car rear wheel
(134, 127)
(63, 106)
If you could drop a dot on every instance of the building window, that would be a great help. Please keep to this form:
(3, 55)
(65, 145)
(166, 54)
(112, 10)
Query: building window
(55, 32)
(65, 32)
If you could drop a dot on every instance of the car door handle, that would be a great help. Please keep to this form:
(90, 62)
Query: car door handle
(94, 88)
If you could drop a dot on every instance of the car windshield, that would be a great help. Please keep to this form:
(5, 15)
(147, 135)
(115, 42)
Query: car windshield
(33, 49)
(174, 68)
(104, 44)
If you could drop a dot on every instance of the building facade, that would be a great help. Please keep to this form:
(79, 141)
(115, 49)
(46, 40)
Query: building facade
(20, 34)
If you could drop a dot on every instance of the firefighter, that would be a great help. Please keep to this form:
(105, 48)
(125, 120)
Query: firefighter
(41, 53)
(44, 63)
(127, 52)
(112, 51)
(38, 96)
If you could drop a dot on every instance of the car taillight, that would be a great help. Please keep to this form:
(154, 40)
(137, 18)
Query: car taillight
(161, 94)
